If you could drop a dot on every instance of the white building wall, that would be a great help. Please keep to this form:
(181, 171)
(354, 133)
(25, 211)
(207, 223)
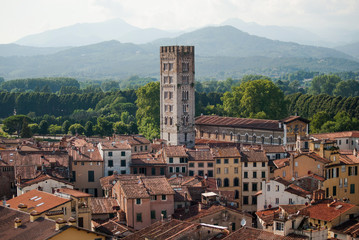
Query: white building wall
(46, 186)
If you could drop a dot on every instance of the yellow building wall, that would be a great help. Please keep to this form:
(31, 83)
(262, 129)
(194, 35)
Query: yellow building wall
(65, 217)
(76, 234)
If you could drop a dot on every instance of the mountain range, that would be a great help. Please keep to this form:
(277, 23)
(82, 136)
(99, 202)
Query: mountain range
(221, 51)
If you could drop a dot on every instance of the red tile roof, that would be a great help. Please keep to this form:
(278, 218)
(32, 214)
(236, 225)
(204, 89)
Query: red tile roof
(322, 211)
(292, 208)
(335, 135)
(350, 227)
(200, 155)
(103, 205)
(223, 152)
(279, 163)
(175, 151)
(248, 233)
(254, 156)
(267, 216)
(37, 200)
(140, 159)
(133, 139)
(348, 158)
(274, 149)
(43, 177)
(73, 192)
(109, 145)
(214, 120)
(293, 118)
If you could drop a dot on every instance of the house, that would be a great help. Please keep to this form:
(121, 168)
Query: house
(228, 169)
(112, 227)
(347, 230)
(87, 166)
(329, 213)
(7, 177)
(147, 164)
(254, 170)
(42, 204)
(103, 208)
(79, 205)
(177, 160)
(300, 165)
(342, 179)
(348, 140)
(20, 225)
(278, 191)
(116, 157)
(144, 199)
(200, 163)
(139, 144)
(43, 182)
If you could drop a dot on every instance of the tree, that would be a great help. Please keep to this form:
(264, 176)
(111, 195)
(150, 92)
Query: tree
(25, 131)
(65, 127)
(89, 129)
(43, 127)
(324, 84)
(105, 127)
(120, 128)
(77, 129)
(349, 88)
(255, 97)
(55, 129)
(148, 112)
(14, 124)
(34, 128)
(318, 121)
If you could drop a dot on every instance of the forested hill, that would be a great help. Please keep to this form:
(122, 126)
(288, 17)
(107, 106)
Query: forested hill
(220, 52)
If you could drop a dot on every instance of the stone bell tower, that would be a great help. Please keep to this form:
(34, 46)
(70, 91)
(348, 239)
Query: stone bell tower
(177, 95)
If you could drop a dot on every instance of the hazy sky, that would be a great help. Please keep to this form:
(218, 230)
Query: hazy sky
(19, 18)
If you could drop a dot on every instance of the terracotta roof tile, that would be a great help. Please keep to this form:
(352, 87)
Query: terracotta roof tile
(222, 152)
(103, 205)
(350, 227)
(175, 151)
(140, 159)
(157, 185)
(267, 216)
(274, 149)
(133, 139)
(335, 135)
(348, 158)
(292, 208)
(38, 230)
(73, 192)
(111, 227)
(279, 163)
(248, 233)
(37, 200)
(254, 156)
(43, 177)
(238, 122)
(322, 211)
(314, 156)
(293, 118)
(200, 156)
(109, 145)
(282, 181)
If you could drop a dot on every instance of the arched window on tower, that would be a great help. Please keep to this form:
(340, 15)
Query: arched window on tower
(239, 137)
(262, 139)
(246, 137)
(171, 121)
(254, 139)
(165, 120)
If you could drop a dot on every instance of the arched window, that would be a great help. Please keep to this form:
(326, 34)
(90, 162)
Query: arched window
(171, 120)
(165, 120)
(238, 137)
(246, 137)
(236, 182)
(271, 139)
(216, 134)
(219, 182)
(209, 135)
(236, 196)
(231, 136)
(226, 182)
(279, 141)
(262, 140)
(201, 133)
(223, 136)
(254, 139)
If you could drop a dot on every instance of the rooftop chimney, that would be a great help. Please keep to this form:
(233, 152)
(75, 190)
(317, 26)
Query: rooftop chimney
(60, 223)
(17, 222)
(34, 215)
(71, 221)
(22, 207)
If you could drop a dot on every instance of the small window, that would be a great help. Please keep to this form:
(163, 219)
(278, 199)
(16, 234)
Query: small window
(245, 175)
(164, 213)
(91, 176)
(245, 200)
(153, 214)
(268, 188)
(225, 170)
(218, 170)
(138, 201)
(263, 164)
(110, 163)
(123, 153)
(235, 169)
(110, 154)
(254, 187)
(352, 188)
(201, 165)
(191, 165)
(210, 164)
(183, 169)
(254, 174)
(139, 217)
(171, 160)
(246, 164)
(218, 161)
(254, 164)
(123, 163)
(263, 174)
(245, 187)
(226, 161)
(277, 188)
(164, 197)
(235, 160)
(277, 201)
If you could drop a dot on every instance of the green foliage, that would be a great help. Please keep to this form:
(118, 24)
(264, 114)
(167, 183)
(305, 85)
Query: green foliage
(349, 88)
(46, 84)
(34, 128)
(43, 127)
(324, 84)
(104, 127)
(148, 112)
(55, 129)
(15, 123)
(260, 98)
(110, 86)
(77, 129)
(25, 130)
(318, 121)
(65, 127)
(89, 129)
(341, 122)
(120, 128)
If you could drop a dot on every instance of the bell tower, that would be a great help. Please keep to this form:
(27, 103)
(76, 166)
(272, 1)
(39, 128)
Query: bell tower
(177, 95)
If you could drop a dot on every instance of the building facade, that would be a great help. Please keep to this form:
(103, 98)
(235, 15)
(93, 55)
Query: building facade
(177, 95)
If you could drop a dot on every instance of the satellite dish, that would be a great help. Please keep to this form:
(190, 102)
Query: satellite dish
(113, 182)
(293, 178)
(243, 222)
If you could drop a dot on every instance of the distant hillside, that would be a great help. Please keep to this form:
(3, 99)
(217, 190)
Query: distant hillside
(220, 52)
(229, 41)
(90, 33)
(7, 50)
(286, 34)
(350, 49)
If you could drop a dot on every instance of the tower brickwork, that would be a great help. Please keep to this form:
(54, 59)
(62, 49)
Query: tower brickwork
(177, 95)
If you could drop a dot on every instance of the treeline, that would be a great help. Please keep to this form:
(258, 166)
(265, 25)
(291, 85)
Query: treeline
(39, 84)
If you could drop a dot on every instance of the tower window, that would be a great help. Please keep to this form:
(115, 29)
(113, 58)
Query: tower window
(185, 79)
(185, 67)
(165, 66)
(165, 79)
(170, 95)
(169, 137)
(171, 121)
(165, 120)
(170, 79)
(166, 108)
(166, 94)
(170, 66)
